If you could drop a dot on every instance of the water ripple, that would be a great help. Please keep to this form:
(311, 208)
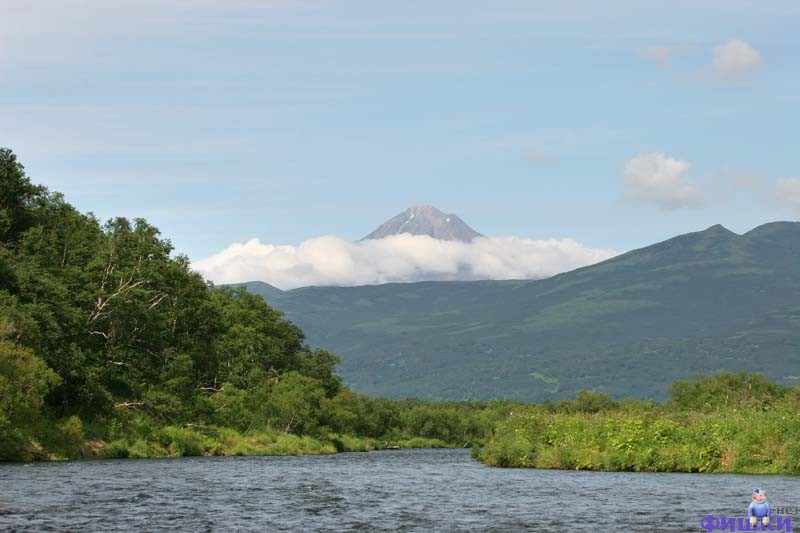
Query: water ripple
(400, 491)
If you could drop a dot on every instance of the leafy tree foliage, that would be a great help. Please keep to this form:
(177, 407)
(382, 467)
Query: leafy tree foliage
(105, 332)
(120, 325)
(17, 198)
(24, 380)
(725, 389)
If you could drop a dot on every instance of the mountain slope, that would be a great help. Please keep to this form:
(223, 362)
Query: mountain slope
(703, 301)
(265, 290)
(426, 220)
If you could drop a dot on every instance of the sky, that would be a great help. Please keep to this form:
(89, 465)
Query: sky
(598, 126)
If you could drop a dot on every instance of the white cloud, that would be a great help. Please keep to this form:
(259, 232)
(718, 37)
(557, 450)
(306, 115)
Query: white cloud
(659, 179)
(660, 55)
(789, 194)
(330, 260)
(735, 60)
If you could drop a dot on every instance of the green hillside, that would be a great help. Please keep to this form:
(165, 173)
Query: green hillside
(629, 326)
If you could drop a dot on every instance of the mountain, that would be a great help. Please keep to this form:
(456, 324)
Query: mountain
(703, 301)
(426, 220)
(265, 290)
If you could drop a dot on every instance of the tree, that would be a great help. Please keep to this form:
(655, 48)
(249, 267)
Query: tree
(321, 365)
(711, 392)
(256, 342)
(17, 197)
(294, 404)
(121, 326)
(24, 381)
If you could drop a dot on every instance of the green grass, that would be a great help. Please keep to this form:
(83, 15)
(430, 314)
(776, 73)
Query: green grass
(736, 440)
(172, 441)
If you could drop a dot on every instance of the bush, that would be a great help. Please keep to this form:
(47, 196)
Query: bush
(141, 449)
(118, 449)
(744, 437)
(184, 442)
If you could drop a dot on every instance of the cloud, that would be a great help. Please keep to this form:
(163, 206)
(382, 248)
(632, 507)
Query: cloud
(735, 60)
(659, 179)
(535, 155)
(330, 260)
(789, 194)
(665, 54)
(660, 55)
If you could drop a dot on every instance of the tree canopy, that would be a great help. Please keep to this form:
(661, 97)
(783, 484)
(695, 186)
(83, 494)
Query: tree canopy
(102, 318)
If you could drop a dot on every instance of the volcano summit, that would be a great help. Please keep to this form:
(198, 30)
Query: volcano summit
(426, 220)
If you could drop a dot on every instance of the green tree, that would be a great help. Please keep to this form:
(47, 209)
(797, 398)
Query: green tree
(17, 197)
(24, 380)
(321, 365)
(724, 389)
(294, 404)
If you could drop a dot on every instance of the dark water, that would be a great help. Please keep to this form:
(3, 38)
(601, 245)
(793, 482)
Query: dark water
(410, 490)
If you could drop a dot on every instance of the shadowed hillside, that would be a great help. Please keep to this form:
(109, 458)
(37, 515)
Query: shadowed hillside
(630, 326)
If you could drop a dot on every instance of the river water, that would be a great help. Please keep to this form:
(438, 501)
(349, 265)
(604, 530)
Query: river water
(405, 490)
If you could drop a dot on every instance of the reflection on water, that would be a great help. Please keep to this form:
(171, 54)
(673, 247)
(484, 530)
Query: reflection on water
(408, 490)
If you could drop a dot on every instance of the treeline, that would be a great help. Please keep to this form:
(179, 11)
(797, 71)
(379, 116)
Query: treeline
(110, 344)
(720, 423)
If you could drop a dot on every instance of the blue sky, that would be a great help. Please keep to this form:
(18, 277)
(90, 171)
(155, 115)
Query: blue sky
(284, 121)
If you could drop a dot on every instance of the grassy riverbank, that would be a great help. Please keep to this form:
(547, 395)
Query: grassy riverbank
(724, 423)
(213, 441)
(401, 424)
(70, 440)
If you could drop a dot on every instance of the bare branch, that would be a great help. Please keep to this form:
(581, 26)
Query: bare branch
(128, 405)
(156, 300)
(289, 425)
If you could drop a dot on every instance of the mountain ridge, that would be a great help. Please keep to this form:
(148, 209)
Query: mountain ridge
(702, 301)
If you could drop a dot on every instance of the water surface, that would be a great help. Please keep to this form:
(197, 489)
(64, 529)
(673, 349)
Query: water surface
(405, 490)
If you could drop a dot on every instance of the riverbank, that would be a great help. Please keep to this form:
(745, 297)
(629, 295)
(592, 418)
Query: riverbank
(723, 423)
(756, 439)
(174, 441)
(182, 442)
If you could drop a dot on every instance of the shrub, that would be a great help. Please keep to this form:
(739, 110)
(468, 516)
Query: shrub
(118, 449)
(184, 442)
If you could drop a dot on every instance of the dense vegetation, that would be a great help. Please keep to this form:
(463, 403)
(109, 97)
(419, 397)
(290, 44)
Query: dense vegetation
(630, 326)
(721, 423)
(111, 345)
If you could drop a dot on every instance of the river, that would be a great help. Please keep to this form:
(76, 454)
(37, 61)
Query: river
(405, 490)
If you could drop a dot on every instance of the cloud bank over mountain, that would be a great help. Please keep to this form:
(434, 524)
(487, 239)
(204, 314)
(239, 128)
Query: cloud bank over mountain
(331, 260)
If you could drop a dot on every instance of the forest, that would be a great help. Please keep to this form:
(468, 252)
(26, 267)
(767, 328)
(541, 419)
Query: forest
(112, 347)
